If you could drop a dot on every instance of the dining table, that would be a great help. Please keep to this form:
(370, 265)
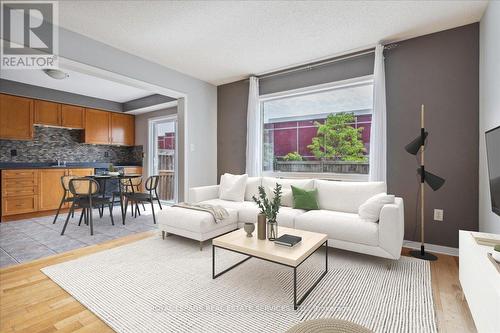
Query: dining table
(103, 179)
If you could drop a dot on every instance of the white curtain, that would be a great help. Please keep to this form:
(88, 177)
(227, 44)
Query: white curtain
(378, 134)
(254, 130)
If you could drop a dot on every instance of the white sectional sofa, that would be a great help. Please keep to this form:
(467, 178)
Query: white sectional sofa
(338, 214)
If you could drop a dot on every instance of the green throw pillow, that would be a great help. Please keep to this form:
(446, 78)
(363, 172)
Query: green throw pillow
(304, 199)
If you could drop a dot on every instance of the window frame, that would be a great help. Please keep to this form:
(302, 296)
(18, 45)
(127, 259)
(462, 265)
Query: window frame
(357, 81)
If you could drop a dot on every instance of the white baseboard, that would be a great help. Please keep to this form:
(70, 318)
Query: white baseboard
(451, 251)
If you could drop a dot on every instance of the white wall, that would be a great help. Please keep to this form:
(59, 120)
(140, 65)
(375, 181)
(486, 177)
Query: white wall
(489, 106)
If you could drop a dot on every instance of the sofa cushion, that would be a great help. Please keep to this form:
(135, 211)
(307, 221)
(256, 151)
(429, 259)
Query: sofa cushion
(252, 188)
(270, 182)
(236, 205)
(286, 196)
(232, 187)
(193, 220)
(346, 196)
(338, 225)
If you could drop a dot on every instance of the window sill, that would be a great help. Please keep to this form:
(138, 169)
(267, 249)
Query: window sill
(352, 177)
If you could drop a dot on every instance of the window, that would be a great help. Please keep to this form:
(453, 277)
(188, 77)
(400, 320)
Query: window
(323, 131)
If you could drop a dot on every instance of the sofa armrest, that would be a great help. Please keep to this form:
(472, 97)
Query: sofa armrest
(202, 193)
(391, 228)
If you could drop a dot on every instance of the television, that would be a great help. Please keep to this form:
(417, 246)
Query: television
(493, 155)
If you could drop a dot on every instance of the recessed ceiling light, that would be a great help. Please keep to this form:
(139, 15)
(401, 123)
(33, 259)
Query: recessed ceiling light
(55, 73)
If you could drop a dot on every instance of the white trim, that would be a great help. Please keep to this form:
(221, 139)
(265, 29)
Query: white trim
(451, 251)
(152, 135)
(357, 81)
(351, 177)
(318, 88)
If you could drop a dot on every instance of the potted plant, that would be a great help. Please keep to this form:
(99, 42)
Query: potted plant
(270, 209)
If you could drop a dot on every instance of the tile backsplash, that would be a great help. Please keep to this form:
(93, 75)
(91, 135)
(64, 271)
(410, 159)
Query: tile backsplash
(50, 144)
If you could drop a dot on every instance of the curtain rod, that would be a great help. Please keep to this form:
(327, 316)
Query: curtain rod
(322, 62)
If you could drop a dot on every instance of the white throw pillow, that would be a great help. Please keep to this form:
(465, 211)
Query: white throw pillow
(370, 209)
(252, 188)
(286, 196)
(232, 187)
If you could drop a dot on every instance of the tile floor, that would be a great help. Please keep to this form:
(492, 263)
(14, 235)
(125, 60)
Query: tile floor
(30, 239)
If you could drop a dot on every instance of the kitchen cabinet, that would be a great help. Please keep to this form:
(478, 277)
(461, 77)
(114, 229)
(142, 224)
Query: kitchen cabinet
(97, 126)
(19, 191)
(47, 113)
(35, 190)
(72, 116)
(16, 117)
(50, 187)
(122, 129)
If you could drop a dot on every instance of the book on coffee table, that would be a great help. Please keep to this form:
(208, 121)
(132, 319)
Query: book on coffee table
(288, 240)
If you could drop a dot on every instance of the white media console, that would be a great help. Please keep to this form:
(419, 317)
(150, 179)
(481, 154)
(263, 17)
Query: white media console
(480, 280)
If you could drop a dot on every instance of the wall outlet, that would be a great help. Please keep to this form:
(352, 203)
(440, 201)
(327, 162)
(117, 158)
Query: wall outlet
(13, 152)
(106, 154)
(438, 214)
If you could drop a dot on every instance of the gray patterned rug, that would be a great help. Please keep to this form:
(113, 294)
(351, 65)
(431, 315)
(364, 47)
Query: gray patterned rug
(157, 285)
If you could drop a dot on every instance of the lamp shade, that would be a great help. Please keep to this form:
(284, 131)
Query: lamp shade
(435, 182)
(414, 146)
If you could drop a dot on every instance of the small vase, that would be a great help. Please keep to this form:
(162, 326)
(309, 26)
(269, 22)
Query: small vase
(272, 230)
(249, 228)
(261, 226)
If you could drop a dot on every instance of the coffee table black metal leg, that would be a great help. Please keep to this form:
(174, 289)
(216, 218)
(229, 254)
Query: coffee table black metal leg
(299, 302)
(227, 269)
(295, 288)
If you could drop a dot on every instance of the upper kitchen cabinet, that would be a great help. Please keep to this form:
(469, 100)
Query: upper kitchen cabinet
(97, 126)
(72, 116)
(16, 117)
(47, 113)
(122, 129)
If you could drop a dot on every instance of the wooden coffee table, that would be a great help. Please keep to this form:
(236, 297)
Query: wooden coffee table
(293, 257)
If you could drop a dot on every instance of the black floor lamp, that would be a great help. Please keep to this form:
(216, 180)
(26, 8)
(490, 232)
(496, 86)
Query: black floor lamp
(435, 183)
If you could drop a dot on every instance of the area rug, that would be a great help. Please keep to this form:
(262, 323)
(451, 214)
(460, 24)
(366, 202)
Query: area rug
(156, 285)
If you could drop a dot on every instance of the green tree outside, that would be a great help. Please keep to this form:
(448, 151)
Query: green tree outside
(337, 140)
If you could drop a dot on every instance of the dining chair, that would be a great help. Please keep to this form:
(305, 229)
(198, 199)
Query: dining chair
(66, 195)
(128, 185)
(86, 195)
(150, 196)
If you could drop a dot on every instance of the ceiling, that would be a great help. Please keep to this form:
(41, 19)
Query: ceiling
(223, 41)
(77, 83)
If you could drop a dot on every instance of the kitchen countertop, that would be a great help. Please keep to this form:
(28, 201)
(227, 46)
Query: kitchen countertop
(41, 165)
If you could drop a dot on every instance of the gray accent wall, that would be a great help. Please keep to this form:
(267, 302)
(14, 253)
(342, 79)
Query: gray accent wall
(232, 104)
(440, 70)
(489, 112)
(50, 144)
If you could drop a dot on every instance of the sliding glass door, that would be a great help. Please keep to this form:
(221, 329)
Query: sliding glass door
(163, 158)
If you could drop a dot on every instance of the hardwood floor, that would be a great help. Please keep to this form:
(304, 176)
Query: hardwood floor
(31, 302)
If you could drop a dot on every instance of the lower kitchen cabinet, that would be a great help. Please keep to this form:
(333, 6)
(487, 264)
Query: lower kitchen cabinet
(35, 190)
(51, 190)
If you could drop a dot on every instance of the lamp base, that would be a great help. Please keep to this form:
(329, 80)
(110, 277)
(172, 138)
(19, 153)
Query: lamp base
(421, 254)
